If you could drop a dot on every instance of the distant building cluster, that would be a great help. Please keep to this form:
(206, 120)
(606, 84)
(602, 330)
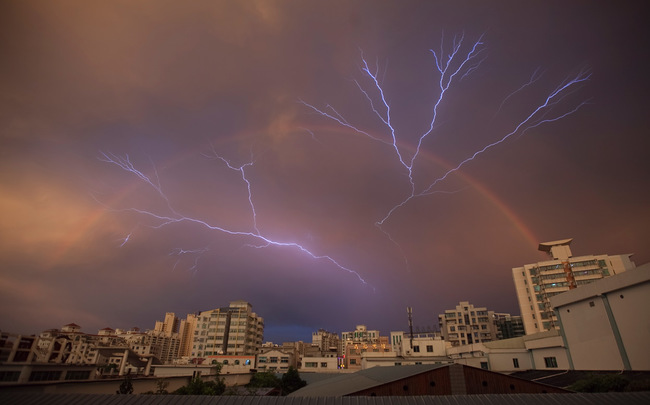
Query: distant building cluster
(579, 313)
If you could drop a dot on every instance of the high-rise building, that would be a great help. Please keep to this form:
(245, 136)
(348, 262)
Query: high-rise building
(467, 324)
(169, 326)
(233, 330)
(186, 334)
(536, 283)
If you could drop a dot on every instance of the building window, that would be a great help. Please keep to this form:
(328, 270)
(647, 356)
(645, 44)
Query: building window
(311, 364)
(323, 365)
(45, 375)
(9, 376)
(429, 349)
(416, 349)
(515, 363)
(484, 365)
(273, 360)
(550, 362)
(353, 361)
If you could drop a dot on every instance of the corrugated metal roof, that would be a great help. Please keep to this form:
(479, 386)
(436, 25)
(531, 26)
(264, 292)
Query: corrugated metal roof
(628, 398)
(345, 384)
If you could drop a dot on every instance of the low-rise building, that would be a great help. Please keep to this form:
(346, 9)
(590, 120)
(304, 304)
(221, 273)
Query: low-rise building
(276, 359)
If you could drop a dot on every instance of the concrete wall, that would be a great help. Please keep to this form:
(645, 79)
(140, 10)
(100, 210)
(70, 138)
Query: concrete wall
(501, 360)
(630, 309)
(606, 323)
(591, 341)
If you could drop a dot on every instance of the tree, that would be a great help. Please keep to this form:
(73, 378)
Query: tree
(601, 383)
(199, 387)
(265, 379)
(126, 387)
(291, 381)
(161, 386)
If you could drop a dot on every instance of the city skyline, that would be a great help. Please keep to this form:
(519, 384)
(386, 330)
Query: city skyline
(159, 158)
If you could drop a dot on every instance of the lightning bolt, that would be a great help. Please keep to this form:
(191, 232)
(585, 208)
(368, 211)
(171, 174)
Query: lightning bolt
(174, 217)
(126, 239)
(452, 66)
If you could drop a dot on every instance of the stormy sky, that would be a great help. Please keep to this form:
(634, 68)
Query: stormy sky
(195, 94)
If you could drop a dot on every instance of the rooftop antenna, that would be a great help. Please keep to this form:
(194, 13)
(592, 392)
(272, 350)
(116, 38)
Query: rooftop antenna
(409, 311)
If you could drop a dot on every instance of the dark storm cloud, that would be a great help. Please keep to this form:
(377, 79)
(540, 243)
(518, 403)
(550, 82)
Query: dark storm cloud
(171, 84)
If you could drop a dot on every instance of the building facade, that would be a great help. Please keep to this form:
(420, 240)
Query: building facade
(186, 330)
(605, 324)
(356, 343)
(509, 326)
(536, 283)
(233, 330)
(466, 324)
(169, 326)
(325, 341)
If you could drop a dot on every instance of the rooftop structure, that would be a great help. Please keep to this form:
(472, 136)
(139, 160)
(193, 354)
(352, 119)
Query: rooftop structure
(536, 283)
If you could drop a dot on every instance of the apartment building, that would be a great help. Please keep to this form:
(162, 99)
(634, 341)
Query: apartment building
(467, 324)
(536, 283)
(233, 330)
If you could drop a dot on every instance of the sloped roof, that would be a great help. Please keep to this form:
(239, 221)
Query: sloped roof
(346, 384)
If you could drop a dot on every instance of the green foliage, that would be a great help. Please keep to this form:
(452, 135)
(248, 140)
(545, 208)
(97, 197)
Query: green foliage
(199, 387)
(126, 386)
(266, 379)
(601, 383)
(291, 381)
(161, 386)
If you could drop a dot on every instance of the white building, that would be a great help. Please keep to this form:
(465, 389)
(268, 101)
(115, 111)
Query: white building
(605, 324)
(536, 283)
(540, 351)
